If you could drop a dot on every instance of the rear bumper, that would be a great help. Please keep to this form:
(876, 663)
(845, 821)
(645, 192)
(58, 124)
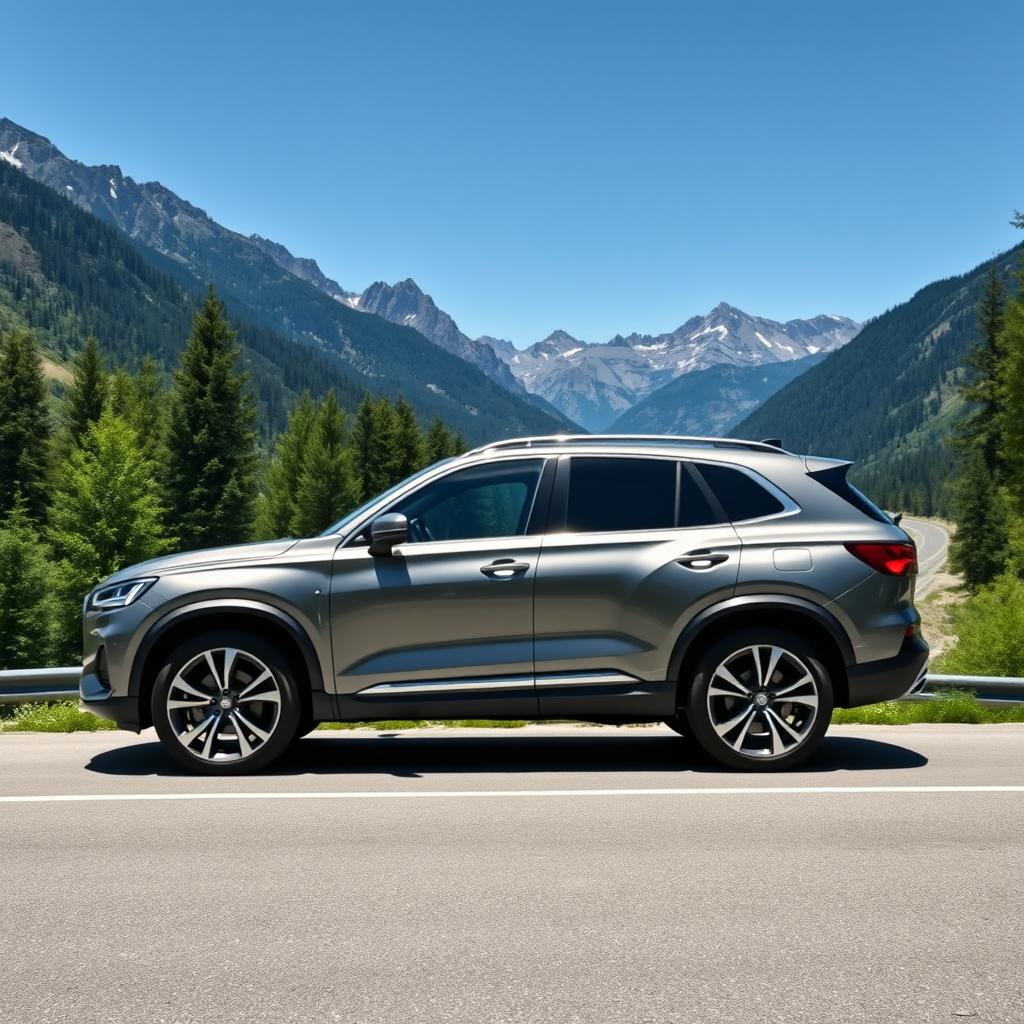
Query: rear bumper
(889, 679)
(98, 699)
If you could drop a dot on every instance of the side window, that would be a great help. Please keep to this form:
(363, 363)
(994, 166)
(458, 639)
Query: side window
(485, 501)
(740, 495)
(694, 507)
(610, 495)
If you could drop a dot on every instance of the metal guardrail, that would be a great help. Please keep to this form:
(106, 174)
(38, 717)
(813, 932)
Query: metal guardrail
(992, 691)
(30, 685)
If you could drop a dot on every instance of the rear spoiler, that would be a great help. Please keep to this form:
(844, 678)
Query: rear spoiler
(818, 464)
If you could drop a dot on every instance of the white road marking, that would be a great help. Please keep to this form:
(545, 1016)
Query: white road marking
(497, 794)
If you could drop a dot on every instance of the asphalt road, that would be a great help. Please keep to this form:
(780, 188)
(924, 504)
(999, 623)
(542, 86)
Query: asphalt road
(932, 550)
(545, 874)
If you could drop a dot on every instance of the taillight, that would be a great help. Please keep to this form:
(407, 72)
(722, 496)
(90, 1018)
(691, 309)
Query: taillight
(890, 559)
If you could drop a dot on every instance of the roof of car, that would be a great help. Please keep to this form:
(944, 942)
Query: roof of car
(630, 441)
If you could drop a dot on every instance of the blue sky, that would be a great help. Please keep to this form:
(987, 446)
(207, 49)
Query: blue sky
(593, 167)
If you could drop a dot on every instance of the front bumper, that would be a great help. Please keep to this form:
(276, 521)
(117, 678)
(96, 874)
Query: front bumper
(890, 678)
(99, 700)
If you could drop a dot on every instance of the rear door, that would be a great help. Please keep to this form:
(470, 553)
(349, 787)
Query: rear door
(635, 548)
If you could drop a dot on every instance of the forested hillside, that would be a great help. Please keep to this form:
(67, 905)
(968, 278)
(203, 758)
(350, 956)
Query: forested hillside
(888, 399)
(709, 402)
(67, 275)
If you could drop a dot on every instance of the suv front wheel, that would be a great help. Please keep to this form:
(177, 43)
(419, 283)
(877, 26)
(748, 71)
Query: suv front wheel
(225, 702)
(760, 699)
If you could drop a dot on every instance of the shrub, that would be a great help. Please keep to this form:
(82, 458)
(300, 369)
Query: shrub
(62, 716)
(990, 628)
(954, 706)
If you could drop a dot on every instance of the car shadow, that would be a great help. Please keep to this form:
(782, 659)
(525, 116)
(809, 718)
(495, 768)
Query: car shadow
(417, 755)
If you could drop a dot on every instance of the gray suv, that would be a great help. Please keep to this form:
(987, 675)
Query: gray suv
(731, 589)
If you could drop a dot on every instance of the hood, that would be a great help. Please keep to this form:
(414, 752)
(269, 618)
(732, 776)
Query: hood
(207, 556)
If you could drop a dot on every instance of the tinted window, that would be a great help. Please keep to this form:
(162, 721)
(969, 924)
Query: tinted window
(608, 495)
(834, 478)
(486, 501)
(694, 507)
(741, 496)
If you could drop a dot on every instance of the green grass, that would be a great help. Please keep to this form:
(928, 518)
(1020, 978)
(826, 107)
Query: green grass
(954, 706)
(62, 716)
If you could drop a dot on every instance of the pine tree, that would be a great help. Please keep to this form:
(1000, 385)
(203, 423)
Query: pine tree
(328, 486)
(373, 446)
(24, 424)
(105, 515)
(382, 471)
(211, 455)
(1011, 392)
(27, 603)
(978, 549)
(410, 452)
(980, 546)
(276, 506)
(978, 429)
(436, 441)
(442, 442)
(88, 392)
(147, 411)
(120, 391)
(363, 441)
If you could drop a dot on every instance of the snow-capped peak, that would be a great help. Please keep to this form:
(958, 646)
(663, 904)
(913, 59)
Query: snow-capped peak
(10, 158)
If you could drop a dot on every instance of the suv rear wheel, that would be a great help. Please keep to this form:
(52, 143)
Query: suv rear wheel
(760, 699)
(226, 702)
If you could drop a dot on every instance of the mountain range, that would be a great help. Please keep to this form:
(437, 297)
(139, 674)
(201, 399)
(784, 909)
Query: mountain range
(266, 286)
(377, 335)
(598, 384)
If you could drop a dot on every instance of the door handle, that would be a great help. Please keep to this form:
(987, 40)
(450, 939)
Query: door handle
(504, 568)
(702, 559)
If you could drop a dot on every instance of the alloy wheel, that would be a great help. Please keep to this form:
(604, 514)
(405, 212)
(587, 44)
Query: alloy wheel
(763, 701)
(224, 705)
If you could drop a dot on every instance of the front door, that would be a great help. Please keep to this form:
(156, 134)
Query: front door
(635, 548)
(443, 627)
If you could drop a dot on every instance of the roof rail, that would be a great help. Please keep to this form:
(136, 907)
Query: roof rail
(582, 439)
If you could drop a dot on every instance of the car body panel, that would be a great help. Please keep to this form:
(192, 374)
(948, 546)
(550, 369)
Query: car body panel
(592, 628)
(615, 603)
(427, 612)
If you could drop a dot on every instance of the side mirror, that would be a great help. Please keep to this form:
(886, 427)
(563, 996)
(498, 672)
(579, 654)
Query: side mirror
(388, 531)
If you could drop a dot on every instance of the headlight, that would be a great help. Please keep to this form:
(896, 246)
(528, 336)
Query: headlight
(120, 595)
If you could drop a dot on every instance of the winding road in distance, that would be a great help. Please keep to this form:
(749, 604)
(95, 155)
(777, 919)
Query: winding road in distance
(932, 541)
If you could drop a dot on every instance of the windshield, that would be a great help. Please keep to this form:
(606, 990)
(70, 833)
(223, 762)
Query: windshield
(367, 505)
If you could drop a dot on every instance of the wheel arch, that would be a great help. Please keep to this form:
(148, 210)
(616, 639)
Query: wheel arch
(793, 613)
(271, 622)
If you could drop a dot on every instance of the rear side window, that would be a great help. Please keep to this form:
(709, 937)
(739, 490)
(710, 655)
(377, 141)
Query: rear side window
(740, 495)
(612, 495)
(834, 478)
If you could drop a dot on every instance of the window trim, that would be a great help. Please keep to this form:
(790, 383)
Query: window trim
(535, 523)
(789, 506)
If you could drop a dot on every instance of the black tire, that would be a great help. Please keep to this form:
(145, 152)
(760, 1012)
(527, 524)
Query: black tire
(681, 726)
(772, 736)
(241, 750)
(306, 726)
